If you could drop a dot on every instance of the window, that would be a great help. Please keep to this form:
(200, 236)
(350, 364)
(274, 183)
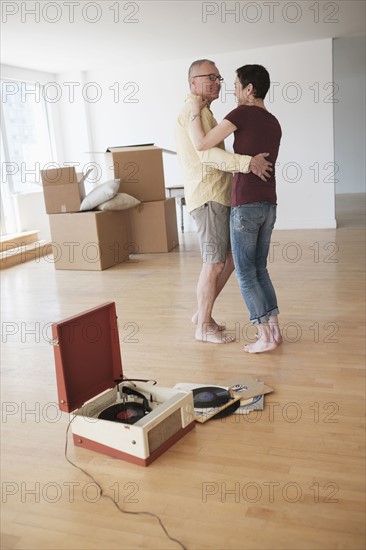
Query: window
(26, 142)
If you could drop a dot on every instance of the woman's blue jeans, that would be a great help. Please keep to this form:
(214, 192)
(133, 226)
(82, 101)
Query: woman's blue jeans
(251, 228)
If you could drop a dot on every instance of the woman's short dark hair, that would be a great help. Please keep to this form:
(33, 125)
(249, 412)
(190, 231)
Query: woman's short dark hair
(256, 75)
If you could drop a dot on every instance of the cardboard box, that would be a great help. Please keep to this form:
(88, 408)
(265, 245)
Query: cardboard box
(140, 169)
(90, 241)
(153, 227)
(63, 189)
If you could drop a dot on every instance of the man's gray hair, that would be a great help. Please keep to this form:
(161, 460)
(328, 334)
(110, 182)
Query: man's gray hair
(197, 64)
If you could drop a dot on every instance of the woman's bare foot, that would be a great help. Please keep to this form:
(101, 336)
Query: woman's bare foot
(265, 340)
(260, 346)
(214, 324)
(276, 332)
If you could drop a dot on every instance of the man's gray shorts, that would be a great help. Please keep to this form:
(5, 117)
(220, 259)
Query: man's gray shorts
(213, 228)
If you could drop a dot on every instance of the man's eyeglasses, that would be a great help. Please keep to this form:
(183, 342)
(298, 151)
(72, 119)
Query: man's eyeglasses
(211, 76)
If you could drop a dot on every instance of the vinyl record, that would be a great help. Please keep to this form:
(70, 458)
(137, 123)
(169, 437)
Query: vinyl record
(127, 413)
(208, 396)
(228, 410)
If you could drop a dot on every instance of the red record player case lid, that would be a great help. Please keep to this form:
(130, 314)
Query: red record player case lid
(87, 355)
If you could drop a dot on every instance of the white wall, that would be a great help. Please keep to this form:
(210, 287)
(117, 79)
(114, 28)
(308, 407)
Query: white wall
(349, 113)
(140, 104)
(32, 214)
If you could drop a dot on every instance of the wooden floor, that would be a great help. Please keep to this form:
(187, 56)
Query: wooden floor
(291, 477)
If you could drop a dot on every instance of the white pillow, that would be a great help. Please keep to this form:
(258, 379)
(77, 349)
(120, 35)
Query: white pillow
(121, 201)
(100, 194)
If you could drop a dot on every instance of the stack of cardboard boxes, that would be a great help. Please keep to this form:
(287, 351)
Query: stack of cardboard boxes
(96, 240)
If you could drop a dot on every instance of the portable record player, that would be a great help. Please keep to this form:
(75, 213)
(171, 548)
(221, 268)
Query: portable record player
(133, 421)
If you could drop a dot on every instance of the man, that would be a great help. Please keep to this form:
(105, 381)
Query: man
(208, 180)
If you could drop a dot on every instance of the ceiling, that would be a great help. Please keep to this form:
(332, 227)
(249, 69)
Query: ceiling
(84, 35)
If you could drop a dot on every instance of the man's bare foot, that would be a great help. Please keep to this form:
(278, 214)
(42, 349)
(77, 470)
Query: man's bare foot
(213, 336)
(260, 346)
(213, 322)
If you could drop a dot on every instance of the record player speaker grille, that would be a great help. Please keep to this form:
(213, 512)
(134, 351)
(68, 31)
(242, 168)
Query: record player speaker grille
(163, 431)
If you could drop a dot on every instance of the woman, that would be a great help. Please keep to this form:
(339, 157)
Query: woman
(253, 211)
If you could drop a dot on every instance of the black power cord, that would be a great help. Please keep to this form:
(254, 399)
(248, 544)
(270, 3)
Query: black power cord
(143, 513)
